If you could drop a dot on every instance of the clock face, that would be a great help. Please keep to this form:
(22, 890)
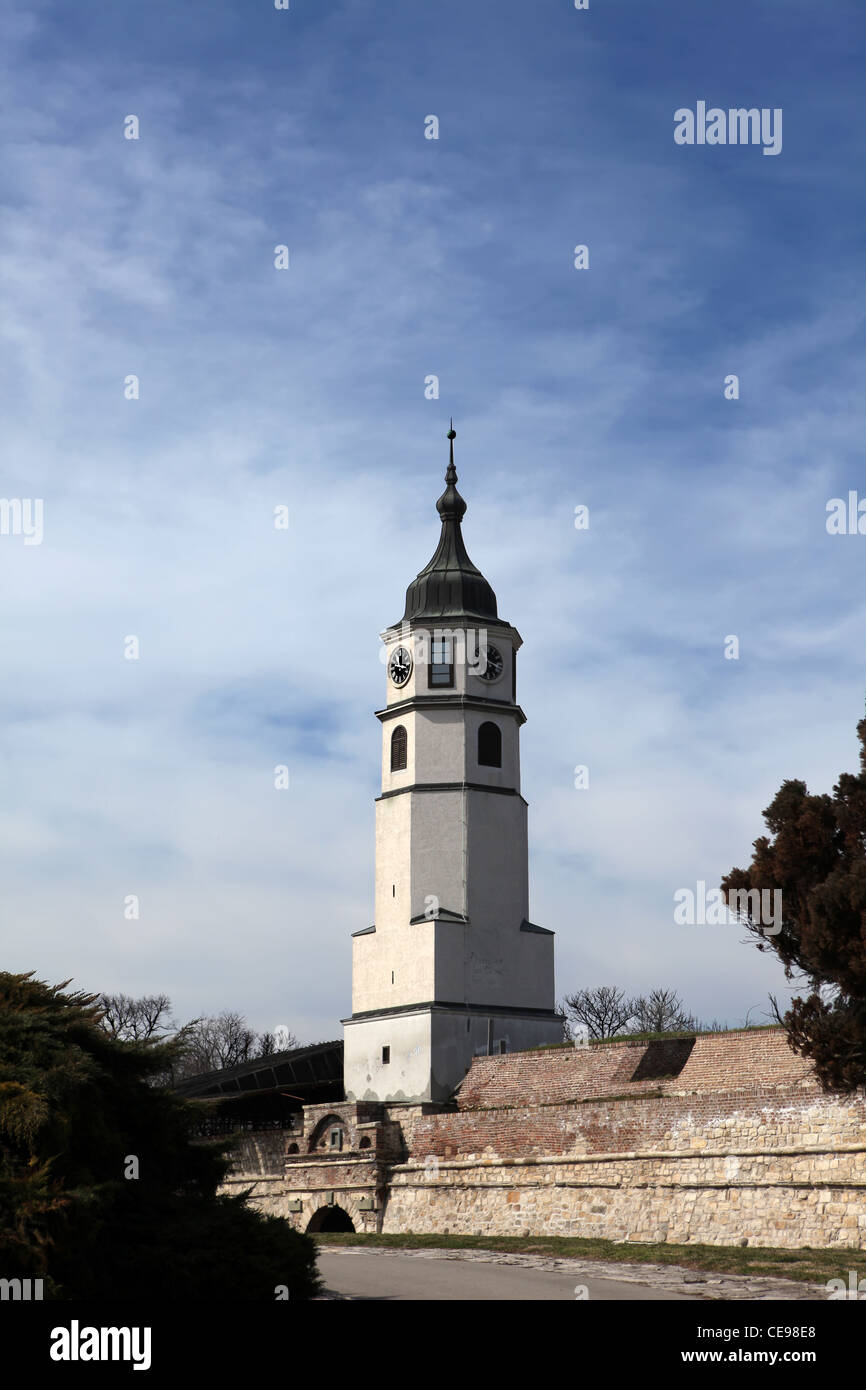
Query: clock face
(400, 666)
(494, 665)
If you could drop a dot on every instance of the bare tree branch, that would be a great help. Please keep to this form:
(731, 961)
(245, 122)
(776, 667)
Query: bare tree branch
(136, 1020)
(603, 1011)
(661, 1011)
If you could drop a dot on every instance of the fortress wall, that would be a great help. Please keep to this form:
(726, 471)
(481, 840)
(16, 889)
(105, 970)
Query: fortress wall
(718, 1170)
(727, 1140)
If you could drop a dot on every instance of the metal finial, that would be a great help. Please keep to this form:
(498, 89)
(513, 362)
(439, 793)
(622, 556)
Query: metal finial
(452, 435)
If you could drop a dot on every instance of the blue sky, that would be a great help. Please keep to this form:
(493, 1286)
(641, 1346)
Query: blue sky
(305, 387)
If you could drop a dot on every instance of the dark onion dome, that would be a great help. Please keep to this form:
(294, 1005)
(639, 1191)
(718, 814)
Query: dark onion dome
(450, 586)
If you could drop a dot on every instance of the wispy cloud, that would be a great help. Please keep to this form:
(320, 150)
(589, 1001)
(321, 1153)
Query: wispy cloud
(306, 388)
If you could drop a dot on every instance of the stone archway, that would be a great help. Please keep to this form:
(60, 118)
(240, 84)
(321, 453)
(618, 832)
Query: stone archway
(330, 1219)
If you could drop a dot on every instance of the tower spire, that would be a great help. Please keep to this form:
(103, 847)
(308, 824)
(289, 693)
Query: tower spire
(450, 586)
(451, 506)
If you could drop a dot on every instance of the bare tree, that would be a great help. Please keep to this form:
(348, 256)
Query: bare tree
(203, 1044)
(269, 1044)
(661, 1011)
(136, 1020)
(221, 1041)
(604, 1011)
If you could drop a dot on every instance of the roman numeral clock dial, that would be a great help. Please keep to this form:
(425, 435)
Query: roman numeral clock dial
(400, 666)
(494, 666)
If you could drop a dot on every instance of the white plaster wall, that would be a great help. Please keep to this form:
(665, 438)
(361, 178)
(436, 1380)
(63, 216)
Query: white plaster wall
(449, 957)
(406, 1076)
(440, 745)
(503, 964)
(393, 846)
(438, 859)
(498, 858)
(408, 953)
(426, 959)
(431, 1051)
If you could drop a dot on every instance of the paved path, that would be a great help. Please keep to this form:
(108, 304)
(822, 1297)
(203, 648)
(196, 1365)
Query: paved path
(419, 1275)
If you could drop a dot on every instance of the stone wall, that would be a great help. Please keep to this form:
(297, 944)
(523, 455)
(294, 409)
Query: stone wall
(724, 1172)
(724, 1140)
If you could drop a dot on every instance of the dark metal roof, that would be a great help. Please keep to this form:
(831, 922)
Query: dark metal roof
(450, 586)
(302, 1069)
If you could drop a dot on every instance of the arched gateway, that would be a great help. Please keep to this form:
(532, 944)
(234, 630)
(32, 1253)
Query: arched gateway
(330, 1219)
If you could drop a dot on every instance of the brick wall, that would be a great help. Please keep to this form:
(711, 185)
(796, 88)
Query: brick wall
(745, 1060)
(262, 1152)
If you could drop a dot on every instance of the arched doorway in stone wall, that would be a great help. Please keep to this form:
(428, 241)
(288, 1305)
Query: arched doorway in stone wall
(330, 1219)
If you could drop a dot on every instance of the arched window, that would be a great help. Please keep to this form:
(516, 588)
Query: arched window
(398, 749)
(489, 745)
(329, 1133)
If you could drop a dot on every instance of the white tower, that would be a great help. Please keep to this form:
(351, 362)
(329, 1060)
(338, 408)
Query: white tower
(452, 967)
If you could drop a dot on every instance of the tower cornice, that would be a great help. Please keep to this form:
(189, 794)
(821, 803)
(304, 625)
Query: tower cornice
(451, 702)
(452, 787)
(406, 628)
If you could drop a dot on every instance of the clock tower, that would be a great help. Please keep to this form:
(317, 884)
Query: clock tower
(452, 966)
